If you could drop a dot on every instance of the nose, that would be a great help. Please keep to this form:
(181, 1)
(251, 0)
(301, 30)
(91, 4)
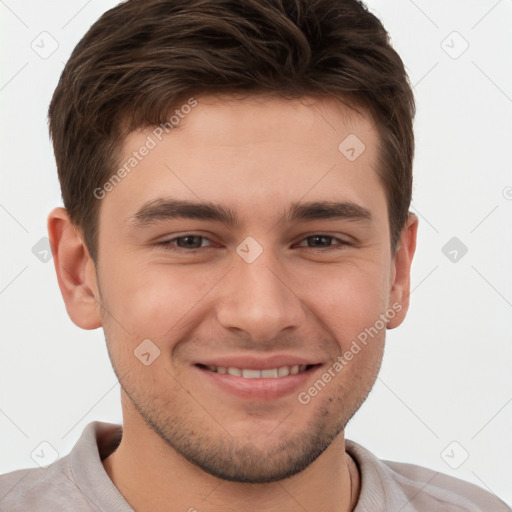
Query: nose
(259, 298)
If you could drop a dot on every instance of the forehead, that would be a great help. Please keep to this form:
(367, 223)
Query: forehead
(252, 119)
(253, 155)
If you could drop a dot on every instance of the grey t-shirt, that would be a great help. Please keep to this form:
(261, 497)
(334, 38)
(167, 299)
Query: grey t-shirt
(78, 482)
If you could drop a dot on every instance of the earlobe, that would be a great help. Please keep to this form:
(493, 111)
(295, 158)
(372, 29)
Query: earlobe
(75, 271)
(401, 271)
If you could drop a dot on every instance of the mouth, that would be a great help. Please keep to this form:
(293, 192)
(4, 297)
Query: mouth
(262, 384)
(254, 373)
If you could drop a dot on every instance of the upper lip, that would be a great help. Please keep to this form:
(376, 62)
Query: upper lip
(258, 363)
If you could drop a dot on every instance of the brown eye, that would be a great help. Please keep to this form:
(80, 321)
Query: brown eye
(185, 243)
(319, 241)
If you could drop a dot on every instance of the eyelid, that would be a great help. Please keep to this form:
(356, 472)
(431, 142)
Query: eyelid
(167, 243)
(341, 241)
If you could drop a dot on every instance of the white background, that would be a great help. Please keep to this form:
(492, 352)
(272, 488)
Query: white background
(446, 374)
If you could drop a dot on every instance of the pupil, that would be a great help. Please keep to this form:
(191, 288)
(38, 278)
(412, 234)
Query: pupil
(320, 238)
(188, 239)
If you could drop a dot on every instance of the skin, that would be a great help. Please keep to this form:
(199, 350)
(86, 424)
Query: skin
(255, 156)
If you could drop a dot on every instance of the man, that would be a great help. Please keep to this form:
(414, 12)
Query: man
(276, 136)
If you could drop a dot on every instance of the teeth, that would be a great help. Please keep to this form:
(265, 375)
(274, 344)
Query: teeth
(249, 373)
(284, 371)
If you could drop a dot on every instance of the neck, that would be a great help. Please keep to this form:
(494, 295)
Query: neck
(153, 477)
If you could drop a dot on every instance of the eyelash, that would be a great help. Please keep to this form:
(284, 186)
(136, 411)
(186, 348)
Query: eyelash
(167, 244)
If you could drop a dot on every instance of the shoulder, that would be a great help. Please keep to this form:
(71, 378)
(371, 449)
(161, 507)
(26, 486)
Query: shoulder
(435, 487)
(40, 489)
(414, 488)
(76, 481)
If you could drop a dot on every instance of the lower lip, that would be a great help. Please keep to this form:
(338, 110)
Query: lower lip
(260, 388)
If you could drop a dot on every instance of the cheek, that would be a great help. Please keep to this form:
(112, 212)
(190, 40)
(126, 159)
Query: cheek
(150, 300)
(348, 299)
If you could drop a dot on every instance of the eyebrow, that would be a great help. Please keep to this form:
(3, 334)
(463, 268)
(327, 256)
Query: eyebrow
(167, 209)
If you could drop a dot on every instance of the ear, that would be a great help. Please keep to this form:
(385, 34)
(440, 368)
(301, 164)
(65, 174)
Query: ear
(401, 271)
(75, 269)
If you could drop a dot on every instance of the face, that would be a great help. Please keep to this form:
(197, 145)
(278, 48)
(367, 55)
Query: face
(276, 288)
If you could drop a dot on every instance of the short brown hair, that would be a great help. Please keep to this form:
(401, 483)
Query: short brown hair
(143, 57)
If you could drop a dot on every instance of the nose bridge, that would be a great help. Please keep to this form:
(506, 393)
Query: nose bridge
(259, 298)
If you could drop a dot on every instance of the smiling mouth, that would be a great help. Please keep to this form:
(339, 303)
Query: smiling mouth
(251, 373)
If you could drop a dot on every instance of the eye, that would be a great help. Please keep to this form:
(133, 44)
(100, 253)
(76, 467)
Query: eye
(191, 243)
(187, 243)
(324, 241)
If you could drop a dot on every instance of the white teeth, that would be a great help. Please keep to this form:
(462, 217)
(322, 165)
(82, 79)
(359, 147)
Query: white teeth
(250, 373)
(284, 371)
